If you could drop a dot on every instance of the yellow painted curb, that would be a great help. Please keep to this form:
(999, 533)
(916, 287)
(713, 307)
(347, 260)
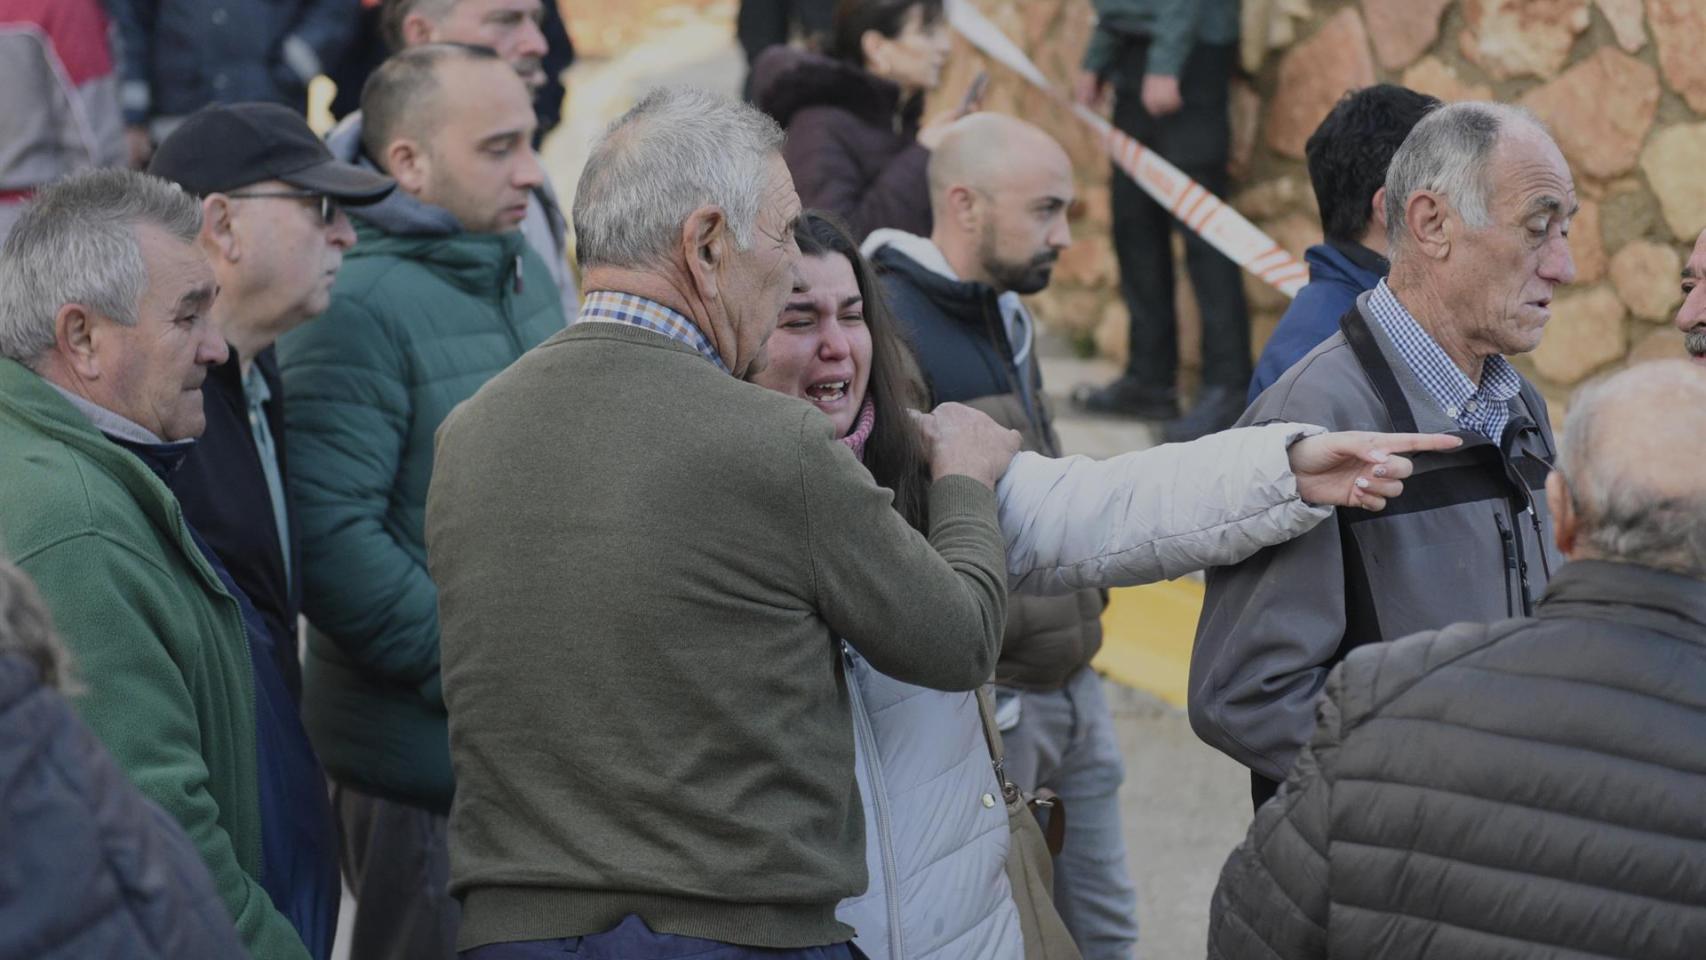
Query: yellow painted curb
(1147, 634)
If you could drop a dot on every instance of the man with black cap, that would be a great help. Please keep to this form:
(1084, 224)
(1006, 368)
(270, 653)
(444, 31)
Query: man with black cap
(274, 231)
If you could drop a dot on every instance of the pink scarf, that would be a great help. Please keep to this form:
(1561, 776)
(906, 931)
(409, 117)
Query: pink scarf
(862, 429)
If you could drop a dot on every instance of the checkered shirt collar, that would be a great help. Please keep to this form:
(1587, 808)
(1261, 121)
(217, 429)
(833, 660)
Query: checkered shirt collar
(608, 306)
(1484, 409)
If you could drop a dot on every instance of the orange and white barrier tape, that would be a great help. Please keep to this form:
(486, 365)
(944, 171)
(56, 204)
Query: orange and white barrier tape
(1204, 213)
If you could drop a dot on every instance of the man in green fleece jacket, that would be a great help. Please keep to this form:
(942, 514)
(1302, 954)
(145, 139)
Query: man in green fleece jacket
(1169, 64)
(105, 339)
(644, 564)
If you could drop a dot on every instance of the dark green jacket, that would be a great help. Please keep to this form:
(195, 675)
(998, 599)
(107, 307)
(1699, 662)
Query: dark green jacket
(158, 643)
(1172, 26)
(422, 315)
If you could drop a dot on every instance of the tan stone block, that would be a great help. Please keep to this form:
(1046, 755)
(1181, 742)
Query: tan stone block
(1678, 27)
(1587, 246)
(1089, 263)
(1313, 76)
(1599, 111)
(1662, 344)
(1245, 109)
(1402, 30)
(1436, 78)
(1672, 163)
(1273, 198)
(1625, 19)
(1586, 332)
(1296, 232)
(1646, 276)
(1513, 38)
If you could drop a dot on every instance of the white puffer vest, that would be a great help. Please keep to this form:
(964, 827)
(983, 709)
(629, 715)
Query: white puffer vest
(935, 826)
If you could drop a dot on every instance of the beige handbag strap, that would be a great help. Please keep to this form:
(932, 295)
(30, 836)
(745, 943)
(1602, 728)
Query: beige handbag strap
(1055, 834)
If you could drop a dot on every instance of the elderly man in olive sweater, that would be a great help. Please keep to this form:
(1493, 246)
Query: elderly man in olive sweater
(644, 564)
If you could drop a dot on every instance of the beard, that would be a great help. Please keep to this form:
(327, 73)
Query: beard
(1024, 277)
(1695, 342)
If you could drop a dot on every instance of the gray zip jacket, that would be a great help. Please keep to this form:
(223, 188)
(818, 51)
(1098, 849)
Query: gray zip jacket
(1470, 539)
(936, 837)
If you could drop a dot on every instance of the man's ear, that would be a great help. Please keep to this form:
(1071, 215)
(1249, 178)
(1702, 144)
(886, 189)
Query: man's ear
(408, 164)
(74, 336)
(1377, 211)
(1428, 221)
(418, 30)
(706, 244)
(871, 45)
(964, 207)
(218, 232)
(1565, 521)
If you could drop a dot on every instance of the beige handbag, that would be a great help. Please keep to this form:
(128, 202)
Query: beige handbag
(1030, 853)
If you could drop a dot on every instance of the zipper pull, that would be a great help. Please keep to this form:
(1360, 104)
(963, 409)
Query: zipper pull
(518, 284)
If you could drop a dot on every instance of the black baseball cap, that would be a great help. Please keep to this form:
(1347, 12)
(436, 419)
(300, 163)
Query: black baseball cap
(228, 146)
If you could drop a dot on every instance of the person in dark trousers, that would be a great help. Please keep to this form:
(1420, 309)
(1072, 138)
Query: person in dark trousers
(1530, 788)
(441, 293)
(93, 869)
(1348, 156)
(1169, 66)
(274, 229)
(1478, 208)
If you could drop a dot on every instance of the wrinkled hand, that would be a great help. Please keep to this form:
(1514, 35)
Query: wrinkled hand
(1357, 468)
(1161, 94)
(1089, 90)
(960, 440)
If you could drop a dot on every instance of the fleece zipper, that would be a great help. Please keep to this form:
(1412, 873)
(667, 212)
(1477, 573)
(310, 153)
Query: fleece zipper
(872, 762)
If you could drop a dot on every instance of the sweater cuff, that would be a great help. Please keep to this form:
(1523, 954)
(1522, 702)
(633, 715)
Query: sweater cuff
(960, 495)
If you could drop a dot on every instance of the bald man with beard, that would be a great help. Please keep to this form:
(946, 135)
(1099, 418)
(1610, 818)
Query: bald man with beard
(999, 192)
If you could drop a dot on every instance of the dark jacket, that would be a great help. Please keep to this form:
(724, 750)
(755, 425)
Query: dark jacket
(177, 56)
(852, 144)
(1338, 273)
(961, 342)
(1528, 789)
(225, 498)
(422, 315)
(92, 868)
(1469, 540)
(1167, 29)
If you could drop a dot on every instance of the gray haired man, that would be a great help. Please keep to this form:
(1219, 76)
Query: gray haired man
(1479, 202)
(106, 334)
(1528, 788)
(644, 565)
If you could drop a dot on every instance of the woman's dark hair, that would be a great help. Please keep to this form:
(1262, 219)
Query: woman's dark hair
(854, 17)
(894, 453)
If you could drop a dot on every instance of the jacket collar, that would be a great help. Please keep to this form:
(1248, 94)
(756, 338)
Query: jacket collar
(1360, 258)
(1603, 583)
(786, 80)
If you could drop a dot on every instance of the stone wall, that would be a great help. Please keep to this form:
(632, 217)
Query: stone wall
(1620, 82)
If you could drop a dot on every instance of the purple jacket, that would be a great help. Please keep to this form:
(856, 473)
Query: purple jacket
(852, 144)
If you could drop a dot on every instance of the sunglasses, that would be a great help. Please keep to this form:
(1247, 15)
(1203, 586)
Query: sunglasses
(328, 207)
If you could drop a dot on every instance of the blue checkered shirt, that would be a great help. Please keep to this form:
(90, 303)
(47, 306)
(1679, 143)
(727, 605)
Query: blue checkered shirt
(1484, 409)
(608, 306)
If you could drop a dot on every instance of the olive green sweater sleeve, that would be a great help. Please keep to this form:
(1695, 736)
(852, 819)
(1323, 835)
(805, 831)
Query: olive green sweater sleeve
(928, 611)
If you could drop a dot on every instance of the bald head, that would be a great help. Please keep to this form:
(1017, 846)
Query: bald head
(985, 150)
(1631, 464)
(999, 191)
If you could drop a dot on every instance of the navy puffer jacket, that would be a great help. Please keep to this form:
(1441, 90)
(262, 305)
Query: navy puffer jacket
(92, 869)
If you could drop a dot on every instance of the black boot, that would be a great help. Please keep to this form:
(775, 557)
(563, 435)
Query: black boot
(1126, 397)
(1216, 409)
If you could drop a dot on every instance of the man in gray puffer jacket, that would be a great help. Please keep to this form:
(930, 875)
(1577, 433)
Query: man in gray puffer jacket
(1530, 788)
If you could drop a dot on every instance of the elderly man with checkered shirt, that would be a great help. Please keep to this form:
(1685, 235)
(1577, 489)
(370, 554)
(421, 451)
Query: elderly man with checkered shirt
(1479, 202)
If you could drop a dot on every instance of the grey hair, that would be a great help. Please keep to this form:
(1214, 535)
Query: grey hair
(1448, 153)
(1640, 508)
(675, 151)
(26, 629)
(76, 243)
